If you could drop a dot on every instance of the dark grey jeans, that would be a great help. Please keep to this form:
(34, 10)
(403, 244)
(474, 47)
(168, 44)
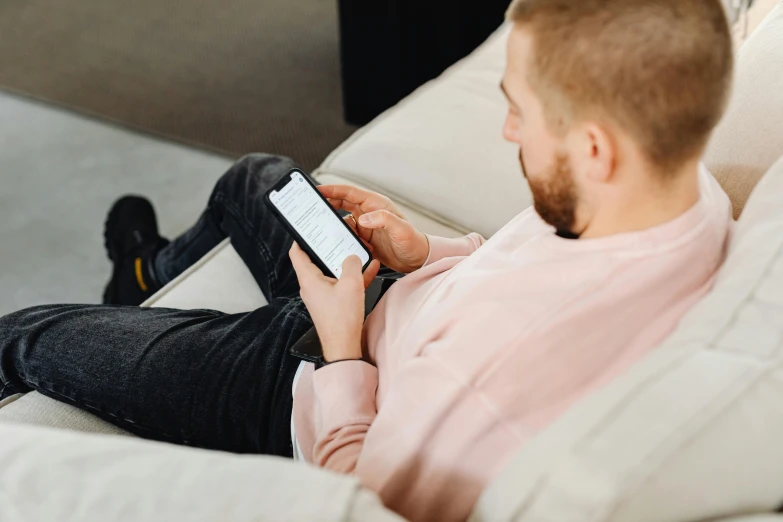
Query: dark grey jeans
(196, 377)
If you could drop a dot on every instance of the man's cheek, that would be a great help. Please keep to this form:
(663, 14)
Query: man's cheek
(527, 162)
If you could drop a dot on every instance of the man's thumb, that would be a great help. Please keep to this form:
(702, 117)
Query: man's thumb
(352, 267)
(377, 219)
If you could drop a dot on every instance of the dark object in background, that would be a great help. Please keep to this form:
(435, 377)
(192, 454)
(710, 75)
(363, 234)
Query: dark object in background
(232, 76)
(391, 47)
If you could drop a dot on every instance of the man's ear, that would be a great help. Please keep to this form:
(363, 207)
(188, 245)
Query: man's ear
(598, 152)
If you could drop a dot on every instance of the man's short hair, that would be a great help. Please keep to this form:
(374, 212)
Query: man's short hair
(659, 69)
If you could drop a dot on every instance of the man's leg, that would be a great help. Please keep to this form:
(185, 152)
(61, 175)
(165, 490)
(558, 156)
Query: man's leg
(194, 377)
(236, 209)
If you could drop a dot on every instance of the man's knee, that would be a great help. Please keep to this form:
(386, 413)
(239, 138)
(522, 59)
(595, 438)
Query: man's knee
(13, 327)
(21, 333)
(253, 174)
(10, 326)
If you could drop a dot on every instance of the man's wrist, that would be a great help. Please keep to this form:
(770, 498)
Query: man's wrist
(339, 357)
(343, 351)
(320, 364)
(427, 250)
(424, 253)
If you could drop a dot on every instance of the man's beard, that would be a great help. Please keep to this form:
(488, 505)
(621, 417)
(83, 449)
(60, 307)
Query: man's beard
(554, 196)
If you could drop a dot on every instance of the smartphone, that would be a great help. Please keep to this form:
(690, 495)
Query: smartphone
(316, 226)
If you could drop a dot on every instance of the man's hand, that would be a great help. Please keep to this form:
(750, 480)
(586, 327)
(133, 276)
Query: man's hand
(336, 306)
(395, 242)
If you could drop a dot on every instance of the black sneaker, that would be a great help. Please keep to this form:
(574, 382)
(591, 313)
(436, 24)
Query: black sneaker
(132, 241)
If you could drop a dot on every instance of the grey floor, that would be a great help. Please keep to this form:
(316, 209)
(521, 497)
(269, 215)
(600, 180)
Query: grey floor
(59, 173)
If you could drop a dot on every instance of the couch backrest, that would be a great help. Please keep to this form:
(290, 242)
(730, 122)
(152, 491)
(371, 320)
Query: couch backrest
(441, 152)
(750, 136)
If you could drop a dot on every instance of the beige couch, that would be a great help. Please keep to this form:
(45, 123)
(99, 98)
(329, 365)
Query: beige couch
(693, 432)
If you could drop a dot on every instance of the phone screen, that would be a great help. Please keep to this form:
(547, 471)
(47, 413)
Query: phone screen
(313, 219)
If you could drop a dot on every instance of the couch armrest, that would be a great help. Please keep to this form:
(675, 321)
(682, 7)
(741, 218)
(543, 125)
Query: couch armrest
(65, 476)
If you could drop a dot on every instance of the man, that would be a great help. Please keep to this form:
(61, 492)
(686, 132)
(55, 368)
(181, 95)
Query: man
(483, 343)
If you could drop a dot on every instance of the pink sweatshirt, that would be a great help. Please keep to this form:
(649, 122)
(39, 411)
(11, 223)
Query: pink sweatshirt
(491, 341)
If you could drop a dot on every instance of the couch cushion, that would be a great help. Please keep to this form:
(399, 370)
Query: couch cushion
(744, 26)
(441, 149)
(757, 14)
(750, 136)
(694, 430)
(64, 476)
(8, 400)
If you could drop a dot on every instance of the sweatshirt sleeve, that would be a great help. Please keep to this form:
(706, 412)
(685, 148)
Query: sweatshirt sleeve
(420, 454)
(345, 401)
(443, 247)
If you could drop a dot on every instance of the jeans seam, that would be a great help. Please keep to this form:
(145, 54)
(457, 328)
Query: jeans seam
(3, 388)
(6, 386)
(86, 406)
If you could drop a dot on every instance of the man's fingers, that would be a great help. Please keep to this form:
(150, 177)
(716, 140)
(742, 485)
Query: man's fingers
(371, 272)
(350, 207)
(353, 197)
(379, 219)
(365, 234)
(341, 204)
(346, 192)
(351, 220)
(352, 269)
(305, 269)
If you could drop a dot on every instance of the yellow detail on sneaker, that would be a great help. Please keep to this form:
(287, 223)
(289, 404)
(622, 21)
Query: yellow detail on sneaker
(140, 276)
